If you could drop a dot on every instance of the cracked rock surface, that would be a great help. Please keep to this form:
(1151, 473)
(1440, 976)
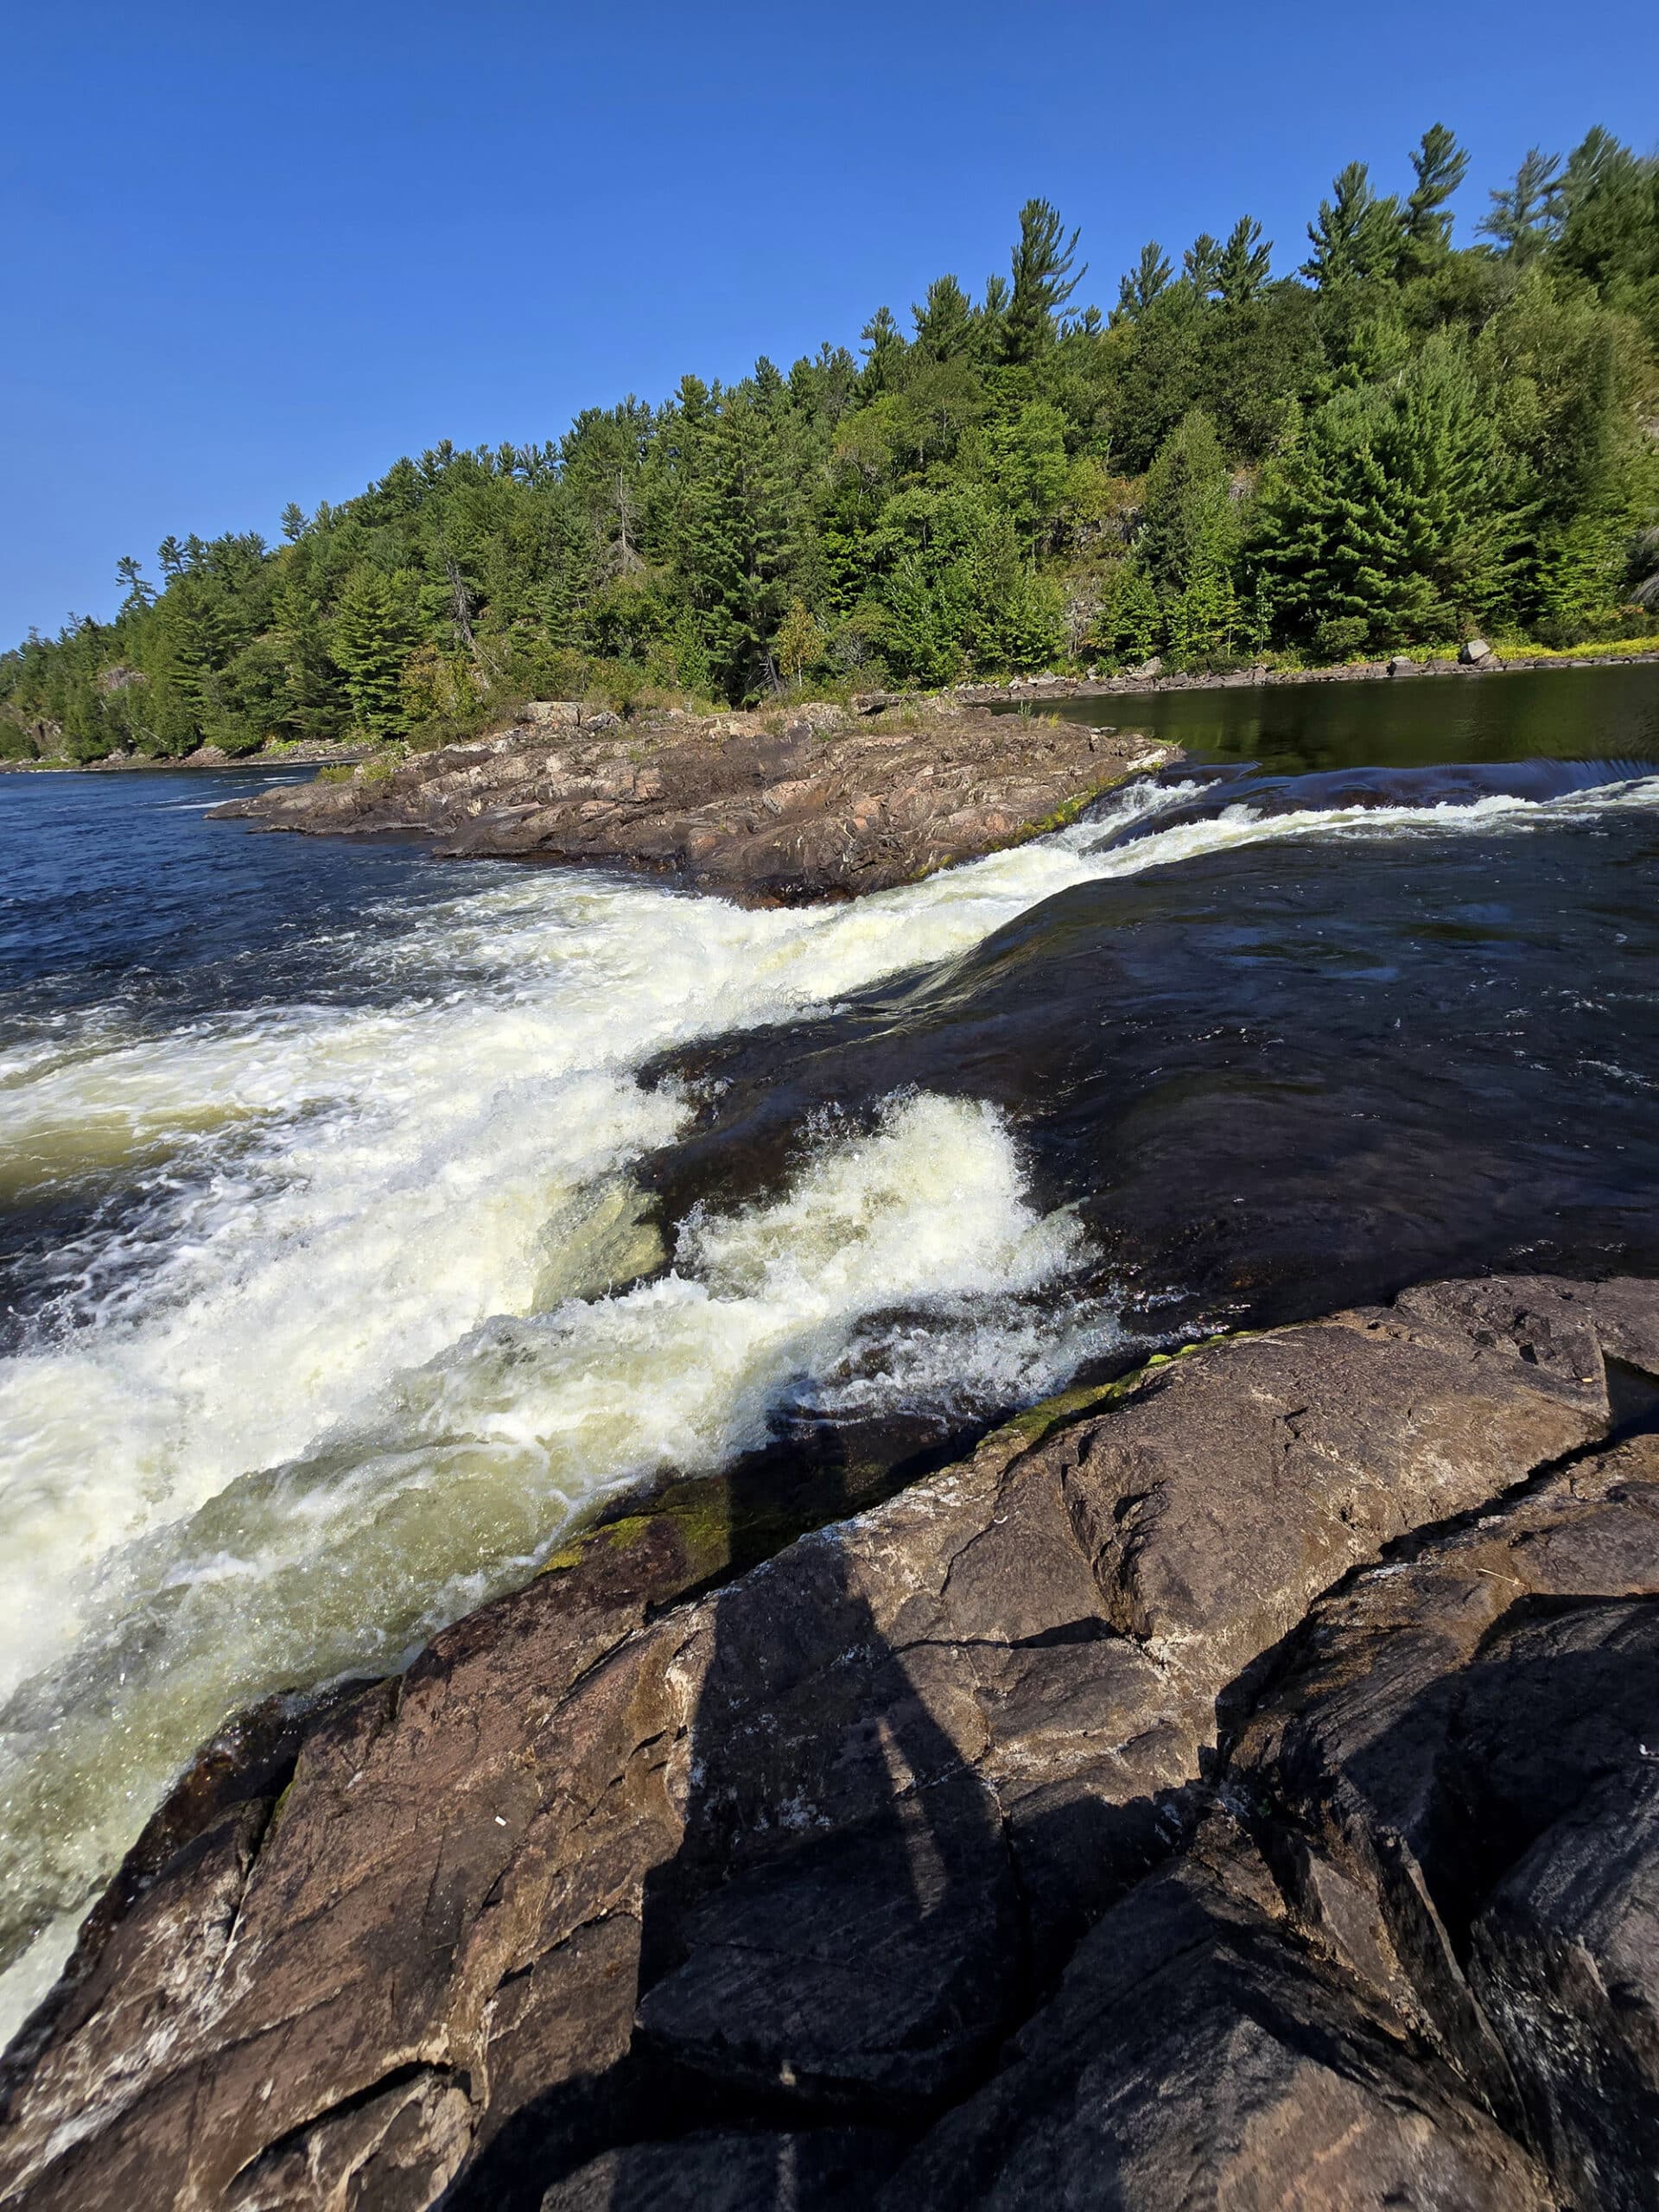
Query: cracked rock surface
(770, 809)
(1239, 1791)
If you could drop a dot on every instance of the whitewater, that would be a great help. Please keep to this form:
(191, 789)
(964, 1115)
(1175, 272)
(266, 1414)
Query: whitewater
(389, 1310)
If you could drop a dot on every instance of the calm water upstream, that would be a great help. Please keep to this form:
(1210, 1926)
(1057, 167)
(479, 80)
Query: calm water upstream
(365, 1217)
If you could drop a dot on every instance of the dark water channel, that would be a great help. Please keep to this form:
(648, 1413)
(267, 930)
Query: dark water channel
(1413, 1030)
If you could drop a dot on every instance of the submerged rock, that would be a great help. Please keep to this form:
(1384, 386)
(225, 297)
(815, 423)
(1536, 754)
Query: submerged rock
(1225, 1787)
(772, 810)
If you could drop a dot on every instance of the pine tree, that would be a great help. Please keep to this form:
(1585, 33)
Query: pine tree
(1145, 282)
(1241, 271)
(1440, 165)
(137, 595)
(1201, 264)
(1356, 237)
(1043, 281)
(1525, 213)
(945, 325)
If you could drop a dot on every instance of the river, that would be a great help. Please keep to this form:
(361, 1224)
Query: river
(366, 1219)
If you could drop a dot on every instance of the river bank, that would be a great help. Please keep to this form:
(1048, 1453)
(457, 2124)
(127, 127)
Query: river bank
(1023, 691)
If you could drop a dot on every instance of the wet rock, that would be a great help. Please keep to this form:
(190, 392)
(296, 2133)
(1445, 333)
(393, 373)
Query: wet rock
(1198, 2055)
(731, 2172)
(820, 805)
(1244, 1742)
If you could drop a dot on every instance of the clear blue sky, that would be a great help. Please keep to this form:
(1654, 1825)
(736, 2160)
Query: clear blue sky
(253, 254)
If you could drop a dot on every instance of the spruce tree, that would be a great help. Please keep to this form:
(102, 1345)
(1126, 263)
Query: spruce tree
(372, 634)
(884, 350)
(1188, 521)
(1135, 618)
(1383, 521)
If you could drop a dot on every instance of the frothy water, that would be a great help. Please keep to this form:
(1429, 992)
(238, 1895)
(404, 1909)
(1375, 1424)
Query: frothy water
(381, 1308)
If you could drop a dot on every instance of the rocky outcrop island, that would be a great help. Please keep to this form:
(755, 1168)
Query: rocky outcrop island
(1236, 1785)
(821, 802)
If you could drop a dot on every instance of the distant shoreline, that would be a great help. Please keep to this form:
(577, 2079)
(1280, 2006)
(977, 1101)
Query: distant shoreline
(1018, 691)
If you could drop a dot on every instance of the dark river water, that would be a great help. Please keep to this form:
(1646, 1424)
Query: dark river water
(364, 1218)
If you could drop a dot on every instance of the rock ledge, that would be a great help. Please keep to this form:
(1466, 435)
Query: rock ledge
(822, 805)
(1239, 1789)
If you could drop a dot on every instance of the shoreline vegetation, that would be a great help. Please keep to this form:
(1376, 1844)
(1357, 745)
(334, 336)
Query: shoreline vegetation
(1400, 447)
(1043, 688)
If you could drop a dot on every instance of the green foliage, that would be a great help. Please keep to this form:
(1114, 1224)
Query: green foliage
(1043, 281)
(1387, 511)
(1440, 166)
(1147, 281)
(1357, 236)
(1415, 439)
(1132, 621)
(1525, 213)
(373, 632)
(1243, 265)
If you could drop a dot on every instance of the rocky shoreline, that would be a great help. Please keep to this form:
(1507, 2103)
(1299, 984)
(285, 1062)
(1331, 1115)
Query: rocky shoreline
(1238, 1785)
(1035, 690)
(826, 803)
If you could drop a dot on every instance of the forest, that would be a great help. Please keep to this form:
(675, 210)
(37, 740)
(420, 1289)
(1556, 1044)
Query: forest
(1400, 443)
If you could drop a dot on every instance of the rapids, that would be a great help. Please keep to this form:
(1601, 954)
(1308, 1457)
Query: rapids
(366, 1221)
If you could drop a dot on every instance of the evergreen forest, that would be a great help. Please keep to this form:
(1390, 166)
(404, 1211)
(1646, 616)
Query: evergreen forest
(1399, 443)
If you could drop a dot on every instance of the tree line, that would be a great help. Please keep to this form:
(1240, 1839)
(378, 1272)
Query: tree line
(1399, 443)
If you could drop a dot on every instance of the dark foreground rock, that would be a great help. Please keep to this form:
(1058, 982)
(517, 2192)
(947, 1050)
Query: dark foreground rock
(821, 804)
(1236, 1791)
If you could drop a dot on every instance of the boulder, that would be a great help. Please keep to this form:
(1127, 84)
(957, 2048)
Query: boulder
(1402, 664)
(1474, 653)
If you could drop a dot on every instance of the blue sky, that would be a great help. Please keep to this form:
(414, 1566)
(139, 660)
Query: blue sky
(253, 254)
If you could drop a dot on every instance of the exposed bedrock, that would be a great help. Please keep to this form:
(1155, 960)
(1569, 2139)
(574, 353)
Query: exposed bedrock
(1238, 1790)
(771, 810)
